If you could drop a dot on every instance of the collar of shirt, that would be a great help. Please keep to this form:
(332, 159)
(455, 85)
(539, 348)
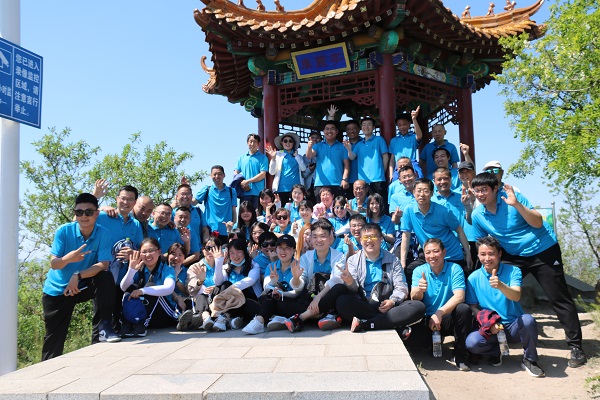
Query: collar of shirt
(327, 259)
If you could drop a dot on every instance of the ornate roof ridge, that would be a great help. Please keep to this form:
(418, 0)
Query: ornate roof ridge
(492, 22)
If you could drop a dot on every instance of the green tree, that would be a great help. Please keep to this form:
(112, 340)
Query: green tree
(56, 179)
(155, 171)
(552, 86)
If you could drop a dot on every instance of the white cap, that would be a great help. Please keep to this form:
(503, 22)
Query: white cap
(492, 164)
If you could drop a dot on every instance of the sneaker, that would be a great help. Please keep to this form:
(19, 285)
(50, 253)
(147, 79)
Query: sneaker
(578, 357)
(185, 320)
(107, 334)
(208, 324)
(294, 323)
(330, 322)
(237, 323)
(276, 323)
(220, 323)
(462, 367)
(356, 325)
(532, 368)
(254, 327)
(405, 334)
(126, 329)
(196, 321)
(495, 361)
(139, 330)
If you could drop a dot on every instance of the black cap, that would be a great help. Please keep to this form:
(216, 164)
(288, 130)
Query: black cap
(466, 165)
(288, 240)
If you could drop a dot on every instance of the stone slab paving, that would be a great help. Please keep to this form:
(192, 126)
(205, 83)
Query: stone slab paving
(227, 365)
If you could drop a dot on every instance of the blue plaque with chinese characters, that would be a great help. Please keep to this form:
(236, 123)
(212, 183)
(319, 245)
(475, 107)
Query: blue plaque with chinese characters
(325, 60)
(20, 84)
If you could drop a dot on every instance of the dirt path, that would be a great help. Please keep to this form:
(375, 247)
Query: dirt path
(509, 381)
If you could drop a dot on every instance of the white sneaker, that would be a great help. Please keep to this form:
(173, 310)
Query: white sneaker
(236, 323)
(254, 327)
(208, 324)
(220, 323)
(276, 323)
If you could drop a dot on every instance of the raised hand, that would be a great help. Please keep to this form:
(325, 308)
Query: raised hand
(100, 188)
(184, 180)
(277, 199)
(415, 113)
(332, 110)
(217, 252)
(345, 275)
(464, 149)
(273, 274)
(271, 152)
(185, 234)
(510, 198)
(253, 250)
(494, 281)
(76, 255)
(423, 283)
(347, 144)
(296, 270)
(135, 261)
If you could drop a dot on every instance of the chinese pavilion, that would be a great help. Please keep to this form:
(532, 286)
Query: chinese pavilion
(368, 57)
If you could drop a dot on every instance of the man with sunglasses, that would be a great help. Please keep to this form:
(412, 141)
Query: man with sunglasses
(80, 254)
(529, 243)
(495, 168)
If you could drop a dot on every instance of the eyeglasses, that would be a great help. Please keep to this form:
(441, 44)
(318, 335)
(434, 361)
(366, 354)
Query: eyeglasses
(367, 238)
(88, 213)
(282, 217)
(339, 207)
(482, 190)
(288, 141)
(127, 199)
(148, 252)
(268, 244)
(493, 170)
(209, 248)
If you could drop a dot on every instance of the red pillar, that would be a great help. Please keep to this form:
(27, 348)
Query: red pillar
(387, 98)
(270, 115)
(261, 133)
(465, 127)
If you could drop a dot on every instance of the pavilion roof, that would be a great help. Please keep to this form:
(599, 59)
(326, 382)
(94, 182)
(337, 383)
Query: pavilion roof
(236, 33)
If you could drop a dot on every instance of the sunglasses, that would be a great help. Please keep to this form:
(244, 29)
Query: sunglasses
(282, 217)
(288, 141)
(493, 170)
(268, 244)
(88, 213)
(209, 248)
(369, 237)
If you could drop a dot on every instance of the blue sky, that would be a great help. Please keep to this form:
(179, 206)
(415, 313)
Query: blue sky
(117, 67)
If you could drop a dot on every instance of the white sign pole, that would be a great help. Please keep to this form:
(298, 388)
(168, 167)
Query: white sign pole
(10, 29)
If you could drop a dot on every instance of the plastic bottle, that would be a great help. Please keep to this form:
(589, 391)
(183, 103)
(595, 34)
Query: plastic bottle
(126, 244)
(436, 340)
(502, 342)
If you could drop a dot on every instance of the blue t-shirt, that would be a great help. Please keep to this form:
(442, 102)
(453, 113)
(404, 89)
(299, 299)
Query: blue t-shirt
(165, 236)
(294, 212)
(325, 267)
(330, 163)
(287, 229)
(401, 199)
(427, 155)
(284, 276)
(480, 292)
(119, 229)
(374, 273)
(67, 238)
(515, 235)
(354, 205)
(161, 272)
(404, 146)
(440, 288)
(210, 275)
(263, 262)
(217, 206)
(454, 204)
(370, 162)
(196, 220)
(353, 176)
(251, 165)
(338, 223)
(290, 173)
(439, 222)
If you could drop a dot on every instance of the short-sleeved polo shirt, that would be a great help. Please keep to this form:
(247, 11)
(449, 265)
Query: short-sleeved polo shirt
(251, 165)
(330, 163)
(369, 154)
(119, 229)
(427, 155)
(218, 205)
(404, 146)
(440, 288)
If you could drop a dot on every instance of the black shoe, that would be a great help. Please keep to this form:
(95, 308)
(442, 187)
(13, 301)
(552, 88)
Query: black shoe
(185, 320)
(139, 330)
(406, 333)
(126, 329)
(532, 368)
(496, 361)
(577, 358)
(294, 323)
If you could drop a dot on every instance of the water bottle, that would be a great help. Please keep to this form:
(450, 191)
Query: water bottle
(436, 340)
(502, 342)
(126, 244)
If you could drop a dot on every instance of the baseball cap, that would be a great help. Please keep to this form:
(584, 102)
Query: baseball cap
(288, 240)
(466, 165)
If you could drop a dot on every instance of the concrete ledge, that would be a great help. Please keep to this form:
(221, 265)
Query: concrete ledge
(227, 365)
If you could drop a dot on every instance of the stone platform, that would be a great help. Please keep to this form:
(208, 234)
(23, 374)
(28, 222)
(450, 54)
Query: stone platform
(227, 365)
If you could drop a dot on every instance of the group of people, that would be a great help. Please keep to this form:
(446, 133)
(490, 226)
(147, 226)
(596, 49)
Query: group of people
(355, 232)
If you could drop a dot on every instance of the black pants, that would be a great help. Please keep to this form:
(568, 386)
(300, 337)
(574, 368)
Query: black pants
(160, 312)
(59, 309)
(285, 308)
(458, 324)
(250, 309)
(407, 313)
(327, 302)
(547, 268)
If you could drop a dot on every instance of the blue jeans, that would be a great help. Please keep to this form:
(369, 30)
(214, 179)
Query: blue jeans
(522, 329)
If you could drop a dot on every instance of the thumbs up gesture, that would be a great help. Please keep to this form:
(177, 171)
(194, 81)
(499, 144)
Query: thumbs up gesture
(423, 283)
(494, 281)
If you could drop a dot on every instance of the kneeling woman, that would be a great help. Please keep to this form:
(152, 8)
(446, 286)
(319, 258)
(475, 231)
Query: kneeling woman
(284, 293)
(154, 280)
